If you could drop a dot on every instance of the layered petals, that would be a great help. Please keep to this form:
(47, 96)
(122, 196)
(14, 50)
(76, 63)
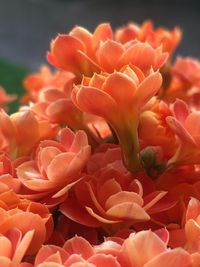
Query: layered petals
(57, 165)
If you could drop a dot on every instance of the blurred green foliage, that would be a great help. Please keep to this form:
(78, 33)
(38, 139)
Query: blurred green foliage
(11, 78)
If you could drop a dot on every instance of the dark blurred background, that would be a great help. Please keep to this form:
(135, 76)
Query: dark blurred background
(27, 26)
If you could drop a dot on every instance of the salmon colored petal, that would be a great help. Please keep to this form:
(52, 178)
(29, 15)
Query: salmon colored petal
(109, 54)
(64, 49)
(5, 262)
(25, 264)
(15, 236)
(50, 95)
(100, 260)
(160, 59)
(151, 199)
(80, 246)
(121, 88)
(141, 247)
(121, 197)
(46, 251)
(11, 182)
(5, 247)
(69, 164)
(66, 138)
(128, 210)
(95, 101)
(72, 210)
(52, 60)
(88, 65)
(173, 258)
(46, 155)
(56, 111)
(81, 193)
(23, 247)
(192, 231)
(178, 128)
(50, 264)
(163, 234)
(25, 221)
(192, 123)
(148, 88)
(23, 122)
(97, 81)
(193, 209)
(109, 188)
(58, 169)
(77, 261)
(134, 72)
(195, 259)
(101, 34)
(84, 36)
(141, 54)
(181, 110)
(55, 258)
(80, 140)
(31, 178)
(65, 189)
(100, 218)
(95, 200)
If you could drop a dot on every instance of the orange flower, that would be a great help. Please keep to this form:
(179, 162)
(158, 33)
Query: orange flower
(188, 69)
(25, 216)
(57, 107)
(84, 53)
(56, 167)
(146, 249)
(5, 98)
(119, 98)
(75, 252)
(184, 82)
(22, 131)
(154, 119)
(185, 124)
(44, 79)
(7, 180)
(146, 32)
(112, 199)
(13, 247)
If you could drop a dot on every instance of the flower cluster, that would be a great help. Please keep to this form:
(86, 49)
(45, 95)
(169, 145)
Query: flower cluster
(100, 165)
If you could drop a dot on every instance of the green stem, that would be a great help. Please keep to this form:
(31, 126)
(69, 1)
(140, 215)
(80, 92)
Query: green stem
(128, 139)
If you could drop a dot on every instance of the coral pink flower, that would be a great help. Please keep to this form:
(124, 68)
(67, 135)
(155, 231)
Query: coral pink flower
(154, 119)
(146, 249)
(119, 98)
(185, 123)
(188, 69)
(25, 216)
(36, 82)
(13, 246)
(75, 252)
(57, 107)
(5, 98)
(15, 135)
(185, 82)
(146, 32)
(7, 180)
(57, 165)
(84, 53)
(112, 199)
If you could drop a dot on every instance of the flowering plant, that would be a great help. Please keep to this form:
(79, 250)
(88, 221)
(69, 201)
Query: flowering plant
(100, 165)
